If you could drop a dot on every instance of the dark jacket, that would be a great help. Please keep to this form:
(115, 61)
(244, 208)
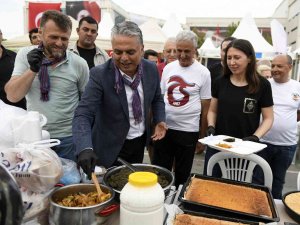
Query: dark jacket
(102, 108)
(7, 62)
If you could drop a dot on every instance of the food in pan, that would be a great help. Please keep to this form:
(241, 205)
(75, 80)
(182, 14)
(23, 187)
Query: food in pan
(185, 219)
(229, 196)
(223, 145)
(83, 200)
(293, 201)
(119, 179)
(229, 139)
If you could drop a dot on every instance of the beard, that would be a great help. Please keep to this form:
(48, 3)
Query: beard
(55, 52)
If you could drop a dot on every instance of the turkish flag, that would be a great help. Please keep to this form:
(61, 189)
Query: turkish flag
(79, 9)
(35, 12)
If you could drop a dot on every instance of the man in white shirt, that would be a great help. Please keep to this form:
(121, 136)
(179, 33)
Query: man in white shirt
(185, 84)
(281, 138)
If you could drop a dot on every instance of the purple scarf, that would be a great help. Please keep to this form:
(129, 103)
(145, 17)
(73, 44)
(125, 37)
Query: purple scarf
(44, 76)
(136, 101)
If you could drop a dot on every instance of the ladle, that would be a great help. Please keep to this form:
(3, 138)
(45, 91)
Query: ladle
(95, 180)
(127, 164)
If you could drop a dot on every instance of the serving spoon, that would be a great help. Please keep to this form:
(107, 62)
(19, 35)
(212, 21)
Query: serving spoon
(127, 164)
(95, 180)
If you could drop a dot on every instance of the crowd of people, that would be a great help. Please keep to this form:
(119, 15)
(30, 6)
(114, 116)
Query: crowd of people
(102, 108)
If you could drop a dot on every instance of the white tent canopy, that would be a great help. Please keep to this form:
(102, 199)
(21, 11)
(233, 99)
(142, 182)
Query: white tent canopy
(297, 51)
(102, 41)
(279, 37)
(248, 30)
(152, 32)
(75, 24)
(17, 42)
(171, 27)
(105, 26)
(208, 49)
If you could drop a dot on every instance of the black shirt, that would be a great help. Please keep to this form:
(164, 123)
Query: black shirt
(216, 70)
(238, 111)
(7, 61)
(88, 55)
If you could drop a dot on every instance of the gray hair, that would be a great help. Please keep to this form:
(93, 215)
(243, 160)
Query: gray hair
(170, 39)
(129, 29)
(289, 59)
(187, 35)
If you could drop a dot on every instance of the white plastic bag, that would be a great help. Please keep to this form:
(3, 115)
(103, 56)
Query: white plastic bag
(35, 166)
(71, 174)
(7, 114)
(35, 205)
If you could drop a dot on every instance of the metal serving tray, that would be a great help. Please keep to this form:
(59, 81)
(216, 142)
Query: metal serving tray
(218, 217)
(294, 215)
(214, 210)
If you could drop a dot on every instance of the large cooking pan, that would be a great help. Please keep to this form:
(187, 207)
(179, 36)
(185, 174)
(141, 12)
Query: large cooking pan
(210, 209)
(141, 167)
(61, 215)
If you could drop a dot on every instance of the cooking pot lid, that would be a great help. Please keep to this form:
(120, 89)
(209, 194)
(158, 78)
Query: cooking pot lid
(11, 204)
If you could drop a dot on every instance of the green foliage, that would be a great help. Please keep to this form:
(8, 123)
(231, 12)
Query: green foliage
(201, 36)
(231, 28)
(268, 37)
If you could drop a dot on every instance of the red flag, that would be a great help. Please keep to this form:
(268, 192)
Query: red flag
(35, 11)
(79, 9)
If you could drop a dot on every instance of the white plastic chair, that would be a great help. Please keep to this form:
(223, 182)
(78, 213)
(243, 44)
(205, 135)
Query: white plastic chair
(240, 167)
(298, 181)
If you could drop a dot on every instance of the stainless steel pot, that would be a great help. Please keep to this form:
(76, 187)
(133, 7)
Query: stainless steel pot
(61, 215)
(143, 167)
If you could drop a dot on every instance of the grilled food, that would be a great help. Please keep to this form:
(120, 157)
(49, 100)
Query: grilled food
(224, 145)
(83, 200)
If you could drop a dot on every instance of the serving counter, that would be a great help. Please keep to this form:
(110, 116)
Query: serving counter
(284, 217)
(173, 199)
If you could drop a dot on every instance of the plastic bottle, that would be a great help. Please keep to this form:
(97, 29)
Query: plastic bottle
(142, 200)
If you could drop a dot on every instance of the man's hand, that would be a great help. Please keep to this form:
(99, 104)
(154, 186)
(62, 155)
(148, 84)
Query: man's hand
(87, 161)
(210, 131)
(253, 138)
(159, 131)
(35, 58)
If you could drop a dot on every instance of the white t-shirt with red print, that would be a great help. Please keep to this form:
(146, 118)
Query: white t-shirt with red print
(286, 97)
(183, 89)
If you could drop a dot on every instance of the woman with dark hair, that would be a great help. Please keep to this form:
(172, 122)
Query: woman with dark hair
(239, 99)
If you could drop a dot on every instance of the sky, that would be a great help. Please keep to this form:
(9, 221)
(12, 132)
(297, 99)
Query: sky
(12, 22)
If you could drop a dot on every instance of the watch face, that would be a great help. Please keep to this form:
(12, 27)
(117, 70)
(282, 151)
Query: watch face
(11, 204)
